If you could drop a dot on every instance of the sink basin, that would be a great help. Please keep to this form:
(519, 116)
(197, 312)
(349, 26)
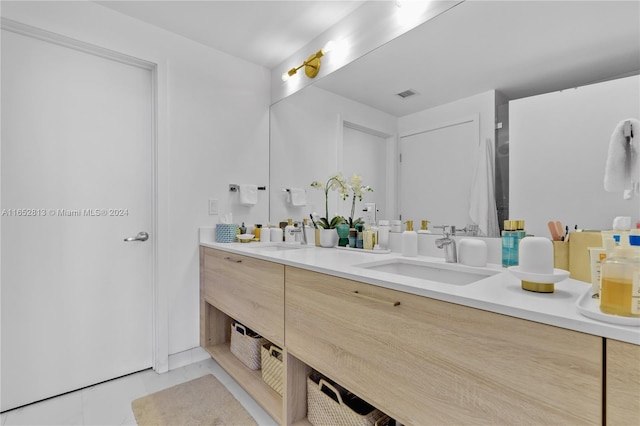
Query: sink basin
(441, 272)
(277, 246)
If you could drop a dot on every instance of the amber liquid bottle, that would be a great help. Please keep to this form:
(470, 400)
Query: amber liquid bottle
(620, 286)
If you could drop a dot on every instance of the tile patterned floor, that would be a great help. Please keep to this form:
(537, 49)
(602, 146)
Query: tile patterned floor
(109, 403)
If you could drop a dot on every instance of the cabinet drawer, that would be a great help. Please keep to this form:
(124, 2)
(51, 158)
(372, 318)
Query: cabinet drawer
(425, 361)
(623, 383)
(249, 290)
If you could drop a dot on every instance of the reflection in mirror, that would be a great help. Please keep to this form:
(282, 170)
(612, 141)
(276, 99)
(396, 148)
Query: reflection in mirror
(315, 134)
(469, 61)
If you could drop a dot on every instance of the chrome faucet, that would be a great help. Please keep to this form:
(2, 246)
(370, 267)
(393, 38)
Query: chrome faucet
(448, 243)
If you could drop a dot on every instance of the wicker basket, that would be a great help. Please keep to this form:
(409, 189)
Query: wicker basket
(272, 366)
(322, 408)
(245, 345)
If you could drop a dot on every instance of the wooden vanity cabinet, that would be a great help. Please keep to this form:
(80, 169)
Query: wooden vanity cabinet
(250, 291)
(623, 383)
(425, 361)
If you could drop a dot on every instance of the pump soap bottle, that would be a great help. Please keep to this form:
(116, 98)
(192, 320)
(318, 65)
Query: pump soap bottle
(424, 227)
(510, 242)
(409, 241)
(289, 232)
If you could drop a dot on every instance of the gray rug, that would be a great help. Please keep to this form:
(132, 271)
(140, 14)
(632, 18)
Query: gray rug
(203, 401)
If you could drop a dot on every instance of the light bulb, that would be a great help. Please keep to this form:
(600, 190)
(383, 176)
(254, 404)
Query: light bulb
(329, 46)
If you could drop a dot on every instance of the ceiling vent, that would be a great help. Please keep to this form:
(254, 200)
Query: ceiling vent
(407, 93)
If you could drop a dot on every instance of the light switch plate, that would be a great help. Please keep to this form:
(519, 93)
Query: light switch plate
(369, 213)
(213, 206)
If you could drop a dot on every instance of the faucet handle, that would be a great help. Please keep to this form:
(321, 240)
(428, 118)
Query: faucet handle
(447, 230)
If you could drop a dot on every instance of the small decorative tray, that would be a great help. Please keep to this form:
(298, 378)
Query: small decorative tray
(590, 307)
(245, 238)
(386, 251)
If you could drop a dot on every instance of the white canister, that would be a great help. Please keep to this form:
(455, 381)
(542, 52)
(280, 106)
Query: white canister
(536, 255)
(383, 234)
(276, 234)
(472, 252)
(396, 226)
(265, 234)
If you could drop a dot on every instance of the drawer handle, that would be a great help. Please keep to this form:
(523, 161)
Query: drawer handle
(375, 299)
(233, 260)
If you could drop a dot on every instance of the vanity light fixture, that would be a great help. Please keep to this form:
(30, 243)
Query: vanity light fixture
(311, 65)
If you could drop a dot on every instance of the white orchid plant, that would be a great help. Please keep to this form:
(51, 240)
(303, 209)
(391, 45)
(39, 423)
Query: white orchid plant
(357, 189)
(337, 182)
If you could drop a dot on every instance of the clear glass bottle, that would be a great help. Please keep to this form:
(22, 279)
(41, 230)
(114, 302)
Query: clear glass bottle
(620, 279)
(367, 238)
(359, 235)
(510, 241)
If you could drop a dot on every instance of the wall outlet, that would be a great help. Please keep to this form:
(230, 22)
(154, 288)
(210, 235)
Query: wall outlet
(213, 206)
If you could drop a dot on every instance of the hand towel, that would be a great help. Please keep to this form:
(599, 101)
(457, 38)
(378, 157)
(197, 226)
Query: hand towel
(298, 197)
(248, 194)
(482, 203)
(622, 170)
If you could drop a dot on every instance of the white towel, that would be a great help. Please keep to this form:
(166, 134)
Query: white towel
(298, 197)
(482, 203)
(622, 171)
(248, 194)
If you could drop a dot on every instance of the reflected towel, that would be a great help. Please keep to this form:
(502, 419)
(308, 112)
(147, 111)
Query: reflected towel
(248, 194)
(622, 171)
(482, 203)
(298, 197)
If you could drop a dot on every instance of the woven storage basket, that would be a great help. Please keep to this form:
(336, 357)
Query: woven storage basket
(349, 410)
(272, 366)
(245, 345)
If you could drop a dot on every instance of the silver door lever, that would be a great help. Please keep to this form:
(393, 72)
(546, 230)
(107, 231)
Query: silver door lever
(142, 236)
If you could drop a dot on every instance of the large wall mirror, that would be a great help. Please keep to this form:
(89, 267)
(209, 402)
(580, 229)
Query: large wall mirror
(423, 117)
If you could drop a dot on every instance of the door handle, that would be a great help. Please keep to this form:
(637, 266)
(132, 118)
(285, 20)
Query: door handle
(142, 236)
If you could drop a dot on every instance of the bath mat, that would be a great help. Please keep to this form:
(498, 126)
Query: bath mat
(203, 401)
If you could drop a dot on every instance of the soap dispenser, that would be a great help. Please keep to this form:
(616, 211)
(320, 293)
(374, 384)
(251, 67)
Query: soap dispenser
(424, 227)
(409, 241)
(289, 232)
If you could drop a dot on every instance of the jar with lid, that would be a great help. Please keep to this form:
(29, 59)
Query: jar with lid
(620, 279)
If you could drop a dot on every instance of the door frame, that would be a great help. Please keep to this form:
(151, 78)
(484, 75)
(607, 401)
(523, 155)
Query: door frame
(391, 143)
(159, 306)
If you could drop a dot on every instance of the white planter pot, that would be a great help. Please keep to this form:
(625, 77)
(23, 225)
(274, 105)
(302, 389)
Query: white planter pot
(328, 238)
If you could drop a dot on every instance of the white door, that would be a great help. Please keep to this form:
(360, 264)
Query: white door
(435, 174)
(77, 149)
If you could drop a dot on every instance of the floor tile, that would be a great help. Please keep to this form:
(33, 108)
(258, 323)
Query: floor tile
(62, 410)
(109, 403)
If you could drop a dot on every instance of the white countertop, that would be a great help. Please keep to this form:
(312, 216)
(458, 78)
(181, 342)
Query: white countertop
(501, 293)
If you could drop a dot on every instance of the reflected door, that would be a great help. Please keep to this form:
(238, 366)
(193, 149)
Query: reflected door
(435, 173)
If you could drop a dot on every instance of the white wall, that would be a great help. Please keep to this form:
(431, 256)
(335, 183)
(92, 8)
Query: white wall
(305, 135)
(213, 112)
(558, 150)
(370, 26)
(482, 104)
